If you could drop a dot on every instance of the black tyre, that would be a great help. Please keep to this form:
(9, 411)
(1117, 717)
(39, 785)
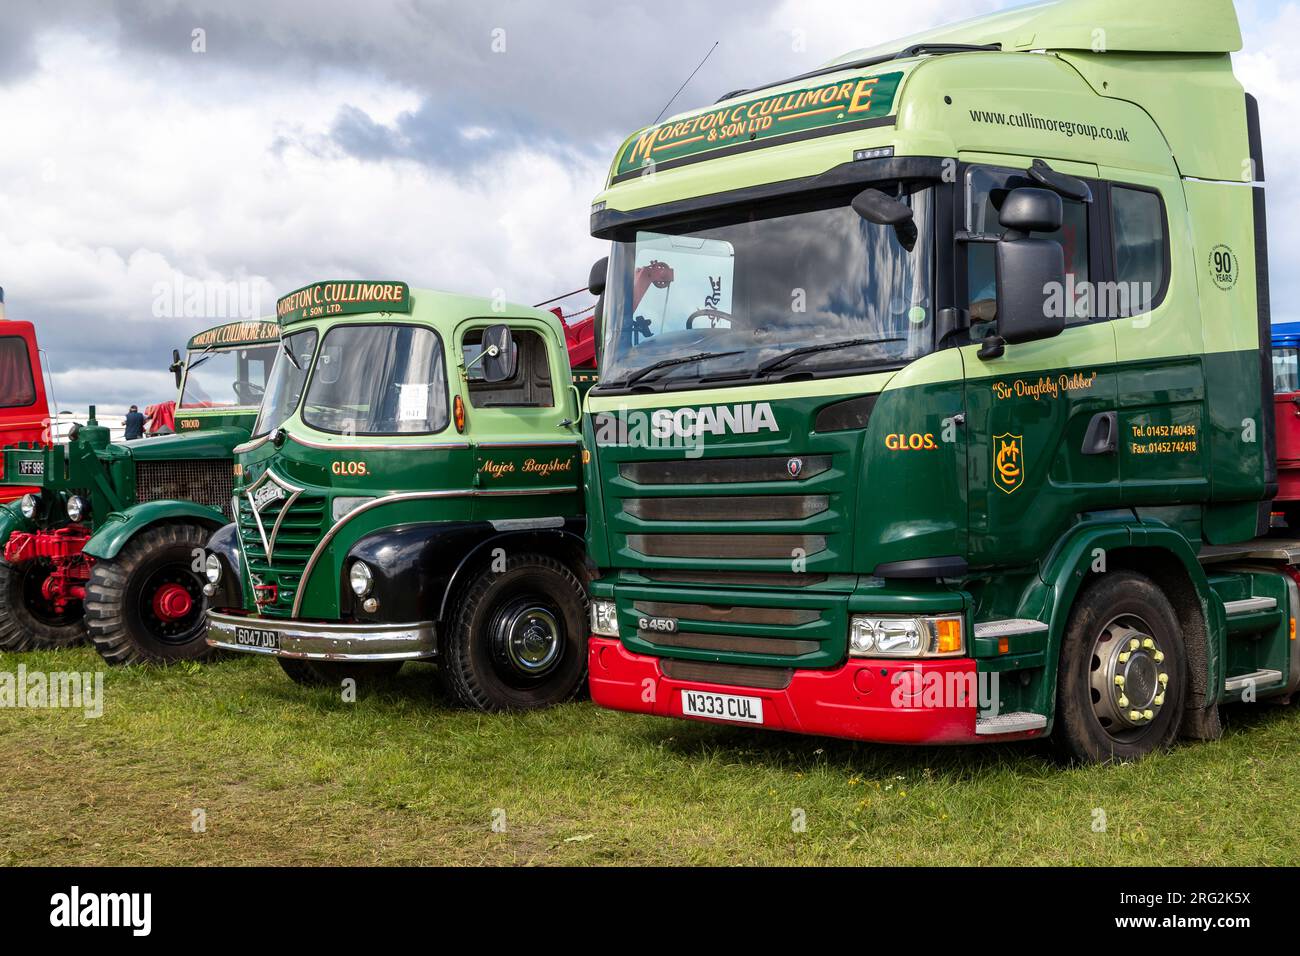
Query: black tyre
(334, 673)
(1123, 673)
(27, 620)
(518, 637)
(146, 605)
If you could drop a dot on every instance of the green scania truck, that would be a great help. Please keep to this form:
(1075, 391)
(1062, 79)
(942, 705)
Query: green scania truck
(106, 547)
(411, 492)
(934, 400)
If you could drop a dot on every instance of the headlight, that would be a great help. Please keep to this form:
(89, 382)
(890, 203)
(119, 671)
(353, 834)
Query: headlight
(604, 618)
(212, 569)
(77, 507)
(29, 506)
(905, 636)
(361, 579)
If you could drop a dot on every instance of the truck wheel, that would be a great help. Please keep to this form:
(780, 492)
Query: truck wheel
(1123, 672)
(27, 620)
(146, 605)
(518, 637)
(334, 673)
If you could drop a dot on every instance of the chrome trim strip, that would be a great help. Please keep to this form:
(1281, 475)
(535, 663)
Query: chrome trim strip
(311, 641)
(525, 524)
(1249, 605)
(250, 445)
(305, 578)
(376, 446)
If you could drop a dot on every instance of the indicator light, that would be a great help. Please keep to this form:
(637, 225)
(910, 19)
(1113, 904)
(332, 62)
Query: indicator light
(458, 410)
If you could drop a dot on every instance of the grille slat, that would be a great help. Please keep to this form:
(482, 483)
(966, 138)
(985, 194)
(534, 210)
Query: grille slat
(299, 532)
(724, 546)
(710, 471)
(730, 643)
(781, 616)
(738, 508)
(741, 675)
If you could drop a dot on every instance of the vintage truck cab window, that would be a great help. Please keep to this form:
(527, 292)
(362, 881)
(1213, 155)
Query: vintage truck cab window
(216, 378)
(731, 295)
(288, 375)
(378, 380)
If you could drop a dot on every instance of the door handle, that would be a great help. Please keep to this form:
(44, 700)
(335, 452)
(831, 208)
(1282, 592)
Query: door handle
(1100, 437)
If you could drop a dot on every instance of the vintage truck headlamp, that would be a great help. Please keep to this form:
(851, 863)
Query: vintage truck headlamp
(77, 508)
(361, 579)
(604, 618)
(881, 636)
(212, 569)
(29, 506)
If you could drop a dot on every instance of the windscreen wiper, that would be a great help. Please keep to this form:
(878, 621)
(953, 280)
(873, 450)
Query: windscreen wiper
(669, 363)
(284, 346)
(202, 357)
(772, 365)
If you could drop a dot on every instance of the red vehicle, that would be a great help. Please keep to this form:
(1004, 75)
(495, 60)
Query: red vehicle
(1286, 416)
(24, 410)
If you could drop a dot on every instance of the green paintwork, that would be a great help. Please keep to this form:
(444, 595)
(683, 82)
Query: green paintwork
(106, 475)
(510, 463)
(1183, 378)
(119, 527)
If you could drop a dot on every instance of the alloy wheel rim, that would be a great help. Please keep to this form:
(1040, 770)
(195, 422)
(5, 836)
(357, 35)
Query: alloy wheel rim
(1129, 677)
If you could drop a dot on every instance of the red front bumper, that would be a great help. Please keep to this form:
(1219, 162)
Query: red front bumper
(881, 701)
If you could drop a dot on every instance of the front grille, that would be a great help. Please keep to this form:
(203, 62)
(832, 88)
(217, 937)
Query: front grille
(297, 536)
(731, 643)
(749, 579)
(208, 482)
(709, 471)
(741, 675)
(724, 546)
(784, 616)
(738, 508)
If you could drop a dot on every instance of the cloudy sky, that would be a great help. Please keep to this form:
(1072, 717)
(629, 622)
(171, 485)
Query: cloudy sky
(450, 144)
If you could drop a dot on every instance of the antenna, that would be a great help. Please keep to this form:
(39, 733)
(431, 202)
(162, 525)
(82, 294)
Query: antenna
(683, 86)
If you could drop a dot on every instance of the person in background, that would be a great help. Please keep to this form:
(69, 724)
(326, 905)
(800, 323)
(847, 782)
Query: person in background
(134, 423)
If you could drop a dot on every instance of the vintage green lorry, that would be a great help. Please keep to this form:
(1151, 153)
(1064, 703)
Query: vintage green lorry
(109, 546)
(935, 399)
(411, 492)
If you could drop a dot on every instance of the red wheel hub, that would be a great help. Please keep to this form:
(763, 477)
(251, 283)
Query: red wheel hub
(171, 602)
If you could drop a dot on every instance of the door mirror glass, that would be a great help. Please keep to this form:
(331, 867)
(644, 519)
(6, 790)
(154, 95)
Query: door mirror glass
(498, 354)
(884, 210)
(1030, 289)
(176, 367)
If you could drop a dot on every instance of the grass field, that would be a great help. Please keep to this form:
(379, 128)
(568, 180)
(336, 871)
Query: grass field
(288, 775)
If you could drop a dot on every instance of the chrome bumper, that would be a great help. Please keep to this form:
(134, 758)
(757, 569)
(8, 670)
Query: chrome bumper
(305, 640)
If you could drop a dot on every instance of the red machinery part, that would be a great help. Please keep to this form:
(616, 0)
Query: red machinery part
(64, 550)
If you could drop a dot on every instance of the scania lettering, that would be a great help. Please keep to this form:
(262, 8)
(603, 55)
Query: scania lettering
(1003, 302)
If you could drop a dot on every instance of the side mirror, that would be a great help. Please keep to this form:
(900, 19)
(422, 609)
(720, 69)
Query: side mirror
(884, 210)
(596, 280)
(176, 368)
(498, 354)
(1030, 272)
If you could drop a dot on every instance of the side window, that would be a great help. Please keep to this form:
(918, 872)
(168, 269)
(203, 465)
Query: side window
(17, 390)
(1138, 222)
(1286, 371)
(531, 385)
(986, 189)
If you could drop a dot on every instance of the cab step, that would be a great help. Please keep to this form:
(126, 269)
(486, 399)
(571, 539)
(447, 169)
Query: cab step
(1249, 605)
(1260, 678)
(1015, 723)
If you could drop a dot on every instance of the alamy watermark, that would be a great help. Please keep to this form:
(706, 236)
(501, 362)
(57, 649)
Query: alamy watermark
(53, 690)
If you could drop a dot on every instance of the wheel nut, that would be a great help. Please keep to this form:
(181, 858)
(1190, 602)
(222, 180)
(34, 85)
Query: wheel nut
(1135, 715)
(1164, 679)
(1148, 643)
(1148, 714)
(1134, 644)
(1158, 656)
(1119, 680)
(1124, 656)
(1123, 701)
(1159, 699)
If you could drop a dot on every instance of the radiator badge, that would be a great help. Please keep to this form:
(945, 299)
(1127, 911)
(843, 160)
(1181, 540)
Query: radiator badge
(1008, 462)
(795, 467)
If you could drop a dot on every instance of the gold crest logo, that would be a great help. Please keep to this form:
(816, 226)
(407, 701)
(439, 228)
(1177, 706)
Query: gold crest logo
(1008, 462)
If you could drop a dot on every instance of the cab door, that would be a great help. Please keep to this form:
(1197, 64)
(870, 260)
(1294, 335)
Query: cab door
(1041, 417)
(522, 430)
